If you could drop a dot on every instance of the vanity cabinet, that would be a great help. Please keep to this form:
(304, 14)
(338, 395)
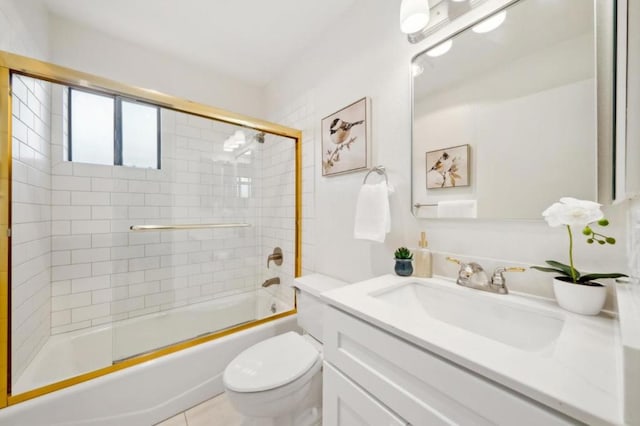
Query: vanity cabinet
(373, 373)
(346, 403)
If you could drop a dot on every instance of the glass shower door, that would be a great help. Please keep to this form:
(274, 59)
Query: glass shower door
(195, 254)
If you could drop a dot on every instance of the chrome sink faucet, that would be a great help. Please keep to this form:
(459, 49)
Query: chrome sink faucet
(472, 275)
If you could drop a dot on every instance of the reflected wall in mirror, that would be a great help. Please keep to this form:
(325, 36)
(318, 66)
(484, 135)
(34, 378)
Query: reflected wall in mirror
(520, 89)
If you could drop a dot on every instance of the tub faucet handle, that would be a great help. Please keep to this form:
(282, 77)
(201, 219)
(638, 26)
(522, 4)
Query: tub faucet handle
(276, 256)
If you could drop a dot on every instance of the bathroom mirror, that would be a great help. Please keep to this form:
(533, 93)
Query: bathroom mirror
(505, 113)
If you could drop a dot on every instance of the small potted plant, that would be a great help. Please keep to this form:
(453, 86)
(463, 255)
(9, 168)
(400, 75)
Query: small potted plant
(403, 257)
(574, 291)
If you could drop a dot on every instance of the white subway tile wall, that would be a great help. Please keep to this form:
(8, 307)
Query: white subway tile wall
(299, 114)
(31, 220)
(102, 271)
(278, 212)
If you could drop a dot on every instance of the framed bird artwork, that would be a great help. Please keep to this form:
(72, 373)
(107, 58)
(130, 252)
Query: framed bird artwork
(345, 140)
(449, 167)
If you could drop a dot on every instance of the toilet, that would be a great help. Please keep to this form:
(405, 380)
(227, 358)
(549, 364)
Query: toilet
(278, 381)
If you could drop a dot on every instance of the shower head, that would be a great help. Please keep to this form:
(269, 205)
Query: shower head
(258, 137)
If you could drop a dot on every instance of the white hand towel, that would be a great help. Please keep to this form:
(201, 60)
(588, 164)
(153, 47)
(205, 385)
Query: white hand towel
(373, 218)
(458, 208)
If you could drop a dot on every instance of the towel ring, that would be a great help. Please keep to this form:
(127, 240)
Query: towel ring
(379, 170)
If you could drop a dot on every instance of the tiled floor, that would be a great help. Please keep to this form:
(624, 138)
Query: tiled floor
(217, 411)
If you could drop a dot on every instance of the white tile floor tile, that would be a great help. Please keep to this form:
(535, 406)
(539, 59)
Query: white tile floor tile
(178, 420)
(217, 411)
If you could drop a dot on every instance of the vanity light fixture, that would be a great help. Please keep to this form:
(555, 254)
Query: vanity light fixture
(414, 15)
(234, 141)
(239, 137)
(416, 69)
(491, 23)
(440, 49)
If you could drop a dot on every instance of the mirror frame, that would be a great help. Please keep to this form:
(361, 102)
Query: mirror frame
(15, 64)
(607, 85)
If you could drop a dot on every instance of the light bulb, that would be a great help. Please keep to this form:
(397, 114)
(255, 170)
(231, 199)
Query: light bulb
(440, 49)
(491, 23)
(416, 69)
(414, 15)
(239, 137)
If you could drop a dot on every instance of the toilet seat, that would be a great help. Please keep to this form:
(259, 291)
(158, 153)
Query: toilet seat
(270, 364)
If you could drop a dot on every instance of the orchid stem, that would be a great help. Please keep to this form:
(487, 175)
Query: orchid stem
(573, 270)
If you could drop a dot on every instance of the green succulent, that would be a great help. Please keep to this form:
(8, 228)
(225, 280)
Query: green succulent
(403, 253)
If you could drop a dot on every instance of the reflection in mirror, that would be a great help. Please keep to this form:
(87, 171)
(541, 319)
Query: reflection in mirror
(505, 114)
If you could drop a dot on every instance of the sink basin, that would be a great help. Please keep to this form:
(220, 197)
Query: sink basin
(520, 327)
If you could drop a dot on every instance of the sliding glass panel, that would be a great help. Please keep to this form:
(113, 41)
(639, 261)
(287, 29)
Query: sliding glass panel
(61, 278)
(225, 198)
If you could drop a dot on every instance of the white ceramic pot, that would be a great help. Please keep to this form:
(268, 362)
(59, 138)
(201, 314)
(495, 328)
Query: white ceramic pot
(578, 298)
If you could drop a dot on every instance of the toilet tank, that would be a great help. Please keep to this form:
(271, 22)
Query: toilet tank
(310, 306)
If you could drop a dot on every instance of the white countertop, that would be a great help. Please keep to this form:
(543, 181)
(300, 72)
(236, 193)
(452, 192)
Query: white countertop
(578, 374)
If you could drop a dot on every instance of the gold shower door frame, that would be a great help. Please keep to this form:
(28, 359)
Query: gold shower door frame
(10, 64)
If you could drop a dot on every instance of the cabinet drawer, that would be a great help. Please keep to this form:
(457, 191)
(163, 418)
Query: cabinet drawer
(345, 404)
(422, 387)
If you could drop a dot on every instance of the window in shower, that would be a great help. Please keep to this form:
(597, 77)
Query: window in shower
(111, 130)
(244, 187)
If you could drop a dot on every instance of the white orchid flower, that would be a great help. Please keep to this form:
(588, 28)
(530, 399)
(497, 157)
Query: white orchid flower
(573, 212)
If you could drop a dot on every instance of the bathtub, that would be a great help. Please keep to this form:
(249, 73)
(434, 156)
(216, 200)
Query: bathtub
(146, 393)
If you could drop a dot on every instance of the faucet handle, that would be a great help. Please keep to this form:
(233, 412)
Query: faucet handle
(276, 256)
(497, 279)
(470, 273)
(511, 269)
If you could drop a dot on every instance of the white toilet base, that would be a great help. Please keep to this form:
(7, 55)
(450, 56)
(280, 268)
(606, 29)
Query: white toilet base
(312, 417)
(289, 411)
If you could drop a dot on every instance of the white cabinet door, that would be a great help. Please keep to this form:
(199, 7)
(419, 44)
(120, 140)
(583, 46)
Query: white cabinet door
(423, 388)
(346, 404)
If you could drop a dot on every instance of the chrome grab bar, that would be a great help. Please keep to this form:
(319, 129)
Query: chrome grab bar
(187, 226)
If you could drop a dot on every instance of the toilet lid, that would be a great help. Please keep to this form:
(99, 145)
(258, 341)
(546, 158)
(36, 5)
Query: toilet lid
(271, 363)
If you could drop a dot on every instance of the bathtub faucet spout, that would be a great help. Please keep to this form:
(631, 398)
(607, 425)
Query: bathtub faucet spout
(271, 281)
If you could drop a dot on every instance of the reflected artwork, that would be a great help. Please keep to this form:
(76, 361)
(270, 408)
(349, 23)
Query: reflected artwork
(448, 167)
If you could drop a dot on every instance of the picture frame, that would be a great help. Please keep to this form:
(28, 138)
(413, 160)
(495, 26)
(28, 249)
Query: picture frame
(345, 139)
(448, 167)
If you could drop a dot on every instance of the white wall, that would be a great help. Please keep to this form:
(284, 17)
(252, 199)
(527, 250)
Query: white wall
(366, 55)
(24, 28)
(84, 49)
